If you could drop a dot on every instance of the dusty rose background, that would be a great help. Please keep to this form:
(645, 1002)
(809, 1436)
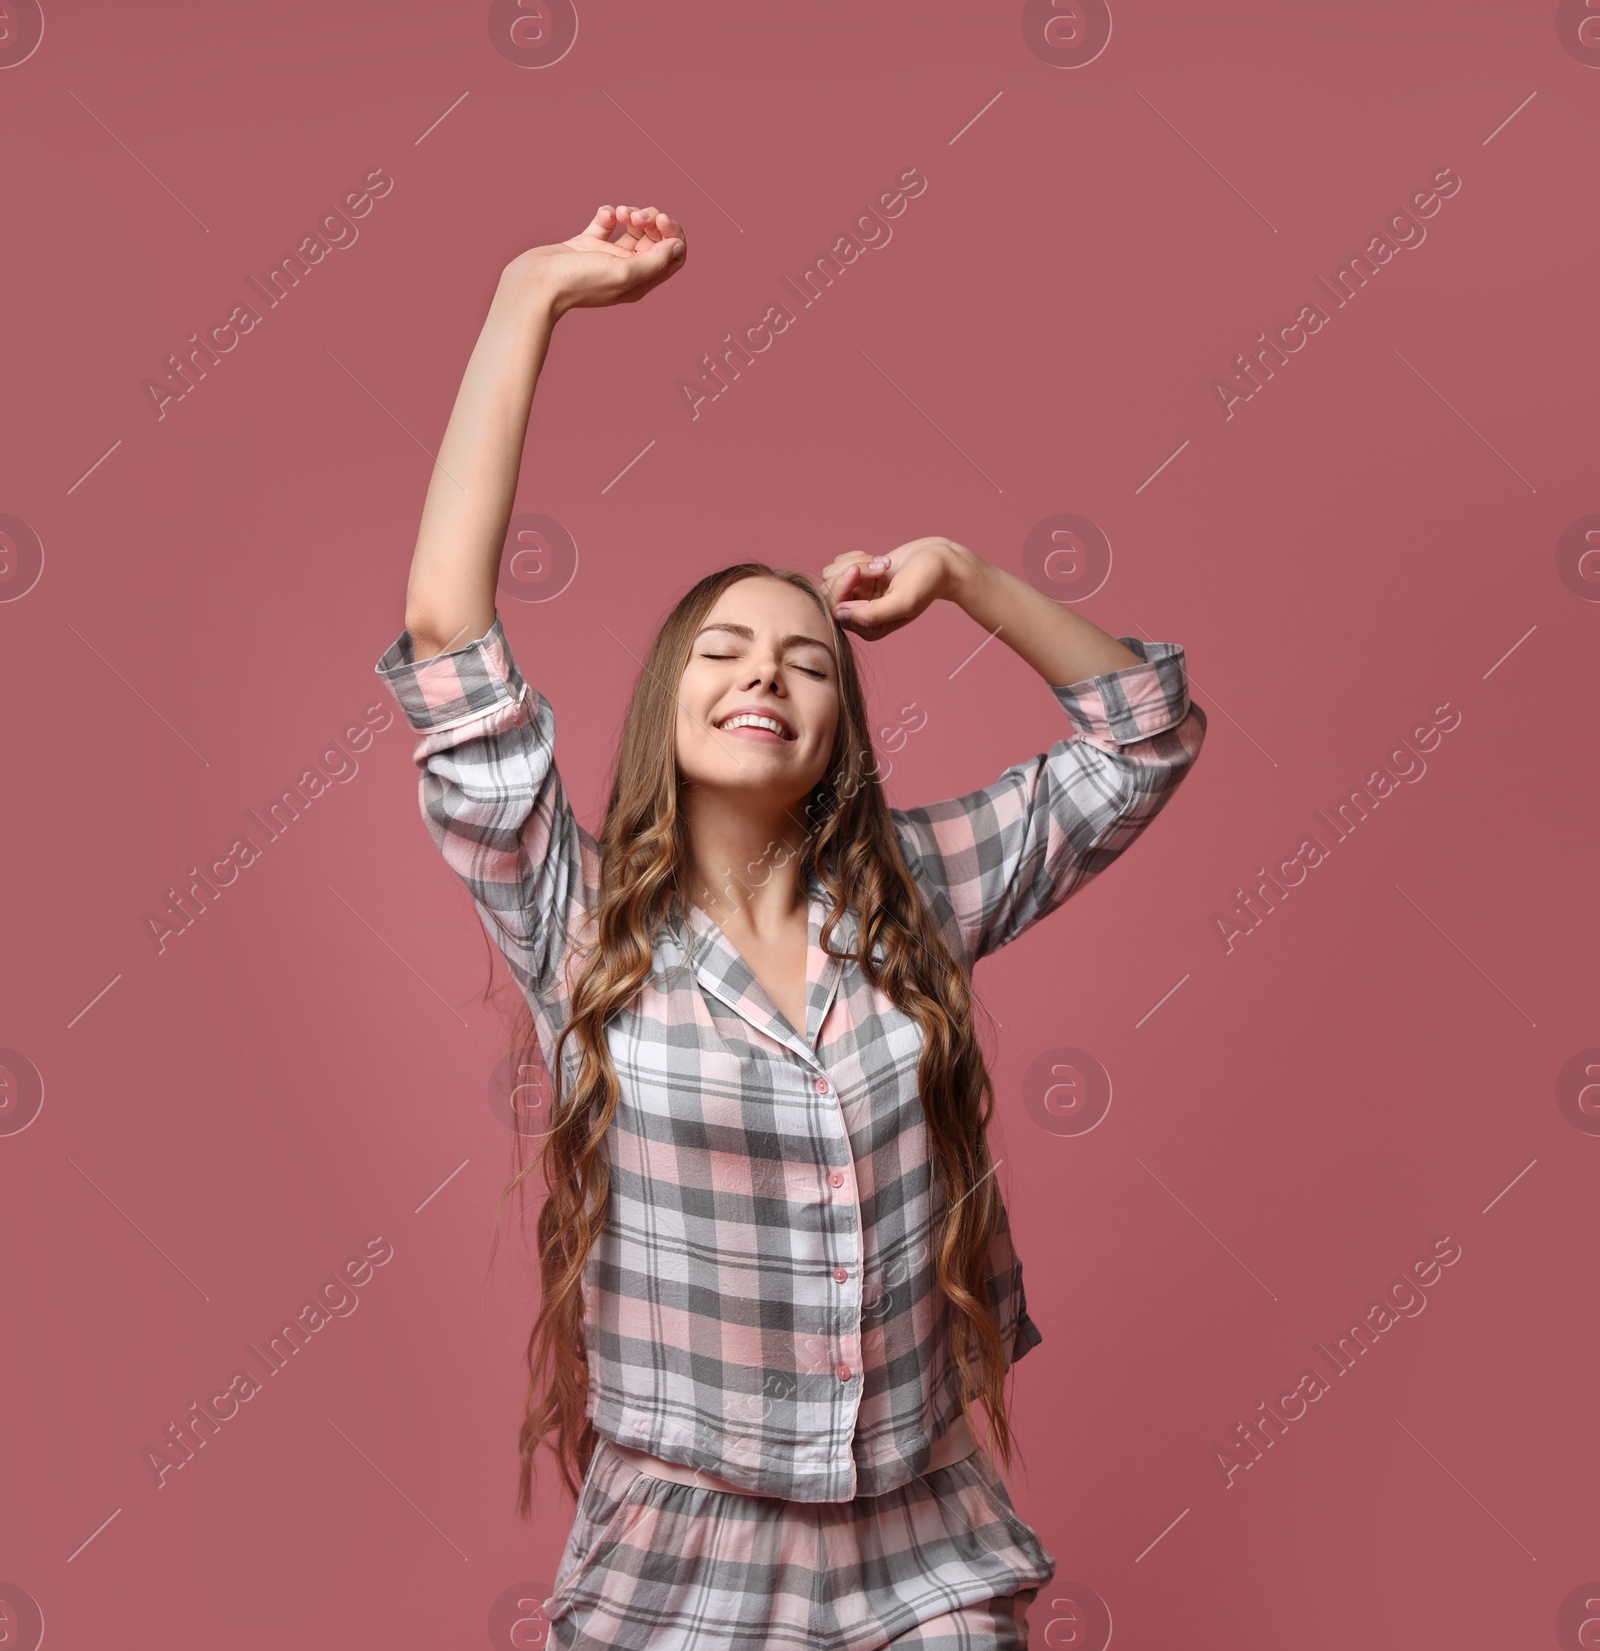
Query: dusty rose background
(1289, 1107)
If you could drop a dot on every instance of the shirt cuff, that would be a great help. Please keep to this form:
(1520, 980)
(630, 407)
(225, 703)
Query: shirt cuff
(1125, 706)
(450, 688)
(1028, 1336)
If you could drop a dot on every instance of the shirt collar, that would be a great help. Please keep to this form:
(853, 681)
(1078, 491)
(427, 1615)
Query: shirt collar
(721, 969)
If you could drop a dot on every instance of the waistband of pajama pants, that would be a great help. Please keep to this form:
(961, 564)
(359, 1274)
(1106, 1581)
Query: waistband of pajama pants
(955, 1443)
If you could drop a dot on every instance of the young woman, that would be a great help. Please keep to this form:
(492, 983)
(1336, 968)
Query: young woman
(776, 1264)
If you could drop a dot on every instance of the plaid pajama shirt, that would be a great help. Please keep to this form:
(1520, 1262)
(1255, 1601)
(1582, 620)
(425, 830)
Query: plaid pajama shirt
(762, 1302)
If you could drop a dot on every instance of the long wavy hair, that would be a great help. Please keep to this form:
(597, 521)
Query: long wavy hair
(850, 845)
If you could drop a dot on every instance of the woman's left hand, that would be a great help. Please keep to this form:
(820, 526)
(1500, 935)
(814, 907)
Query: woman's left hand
(873, 595)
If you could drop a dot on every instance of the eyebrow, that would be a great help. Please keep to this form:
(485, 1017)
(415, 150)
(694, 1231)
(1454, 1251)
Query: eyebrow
(748, 635)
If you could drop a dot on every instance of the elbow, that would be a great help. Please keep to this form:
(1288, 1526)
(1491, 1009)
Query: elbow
(1178, 748)
(442, 617)
(1172, 751)
(1157, 766)
(430, 635)
(1191, 732)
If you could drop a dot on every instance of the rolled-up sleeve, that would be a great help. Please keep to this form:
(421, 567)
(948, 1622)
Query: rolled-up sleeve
(995, 861)
(493, 801)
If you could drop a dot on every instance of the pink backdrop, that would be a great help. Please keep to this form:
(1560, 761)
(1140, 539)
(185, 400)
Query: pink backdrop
(1376, 561)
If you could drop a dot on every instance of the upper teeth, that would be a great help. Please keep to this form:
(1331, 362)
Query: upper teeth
(747, 719)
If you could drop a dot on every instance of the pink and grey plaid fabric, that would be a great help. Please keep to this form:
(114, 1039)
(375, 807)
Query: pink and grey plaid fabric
(763, 1301)
(942, 1563)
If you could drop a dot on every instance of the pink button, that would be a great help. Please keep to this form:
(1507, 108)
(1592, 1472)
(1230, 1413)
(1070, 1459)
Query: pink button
(844, 1372)
(840, 1274)
(836, 1179)
(822, 1086)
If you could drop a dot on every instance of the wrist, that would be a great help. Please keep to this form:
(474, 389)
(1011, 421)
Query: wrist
(964, 572)
(526, 286)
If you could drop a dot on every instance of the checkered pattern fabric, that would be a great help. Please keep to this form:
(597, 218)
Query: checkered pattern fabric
(763, 1301)
(942, 1561)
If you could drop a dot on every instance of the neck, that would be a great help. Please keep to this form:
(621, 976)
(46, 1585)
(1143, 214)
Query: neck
(744, 863)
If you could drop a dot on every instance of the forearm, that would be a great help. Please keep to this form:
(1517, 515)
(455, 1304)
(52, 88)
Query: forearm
(1062, 646)
(450, 598)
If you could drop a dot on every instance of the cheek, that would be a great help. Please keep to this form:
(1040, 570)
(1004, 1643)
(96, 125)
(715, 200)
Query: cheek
(695, 698)
(700, 753)
(686, 732)
(828, 735)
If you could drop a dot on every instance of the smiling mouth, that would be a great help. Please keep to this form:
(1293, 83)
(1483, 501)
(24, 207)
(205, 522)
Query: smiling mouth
(753, 722)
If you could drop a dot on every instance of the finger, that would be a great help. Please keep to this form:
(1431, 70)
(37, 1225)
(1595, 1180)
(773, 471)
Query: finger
(852, 581)
(623, 235)
(869, 633)
(871, 630)
(662, 228)
(649, 265)
(869, 610)
(602, 223)
(644, 226)
(851, 558)
(659, 258)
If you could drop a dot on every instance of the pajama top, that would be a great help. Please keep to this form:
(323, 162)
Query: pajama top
(763, 1300)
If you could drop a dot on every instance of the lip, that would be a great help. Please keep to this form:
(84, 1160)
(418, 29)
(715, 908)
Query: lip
(757, 733)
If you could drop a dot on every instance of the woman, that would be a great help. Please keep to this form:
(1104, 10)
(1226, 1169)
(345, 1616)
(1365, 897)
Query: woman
(776, 1264)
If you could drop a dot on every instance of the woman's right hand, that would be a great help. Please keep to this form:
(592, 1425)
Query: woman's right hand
(621, 256)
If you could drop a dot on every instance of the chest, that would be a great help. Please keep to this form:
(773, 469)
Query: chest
(707, 1079)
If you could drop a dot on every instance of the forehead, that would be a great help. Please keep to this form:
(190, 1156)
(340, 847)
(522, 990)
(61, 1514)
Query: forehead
(769, 606)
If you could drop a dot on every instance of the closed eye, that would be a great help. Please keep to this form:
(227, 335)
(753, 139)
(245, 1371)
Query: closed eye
(821, 676)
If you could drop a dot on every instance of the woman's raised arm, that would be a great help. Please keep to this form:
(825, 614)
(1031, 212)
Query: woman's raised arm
(993, 862)
(490, 793)
(622, 255)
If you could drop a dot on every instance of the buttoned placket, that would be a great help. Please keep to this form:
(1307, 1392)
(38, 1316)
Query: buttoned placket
(709, 947)
(850, 1343)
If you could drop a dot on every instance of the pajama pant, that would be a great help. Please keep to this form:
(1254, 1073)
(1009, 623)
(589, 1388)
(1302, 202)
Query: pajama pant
(942, 1563)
